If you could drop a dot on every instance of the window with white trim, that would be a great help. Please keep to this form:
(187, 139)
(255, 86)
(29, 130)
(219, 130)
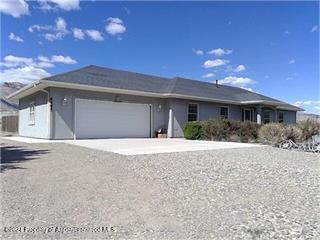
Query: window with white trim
(224, 112)
(247, 115)
(31, 113)
(280, 117)
(192, 112)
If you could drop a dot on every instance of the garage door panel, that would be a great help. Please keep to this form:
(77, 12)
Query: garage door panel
(104, 119)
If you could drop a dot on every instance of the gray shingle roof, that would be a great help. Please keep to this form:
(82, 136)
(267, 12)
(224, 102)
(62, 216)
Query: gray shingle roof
(111, 78)
(125, 80)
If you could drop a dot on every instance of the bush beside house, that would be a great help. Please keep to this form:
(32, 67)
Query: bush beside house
(192, 130)
(229, 130)
(221, 130)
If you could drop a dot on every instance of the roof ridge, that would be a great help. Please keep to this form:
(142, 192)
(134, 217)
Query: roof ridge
(171, 85)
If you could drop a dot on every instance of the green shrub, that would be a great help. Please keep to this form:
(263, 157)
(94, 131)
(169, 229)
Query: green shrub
(192, 130)
(272, 133)
(309, 128)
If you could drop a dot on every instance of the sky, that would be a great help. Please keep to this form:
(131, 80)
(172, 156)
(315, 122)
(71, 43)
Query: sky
(268, 47)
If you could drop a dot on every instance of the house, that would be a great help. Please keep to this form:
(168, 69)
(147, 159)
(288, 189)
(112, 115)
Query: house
(97, 102)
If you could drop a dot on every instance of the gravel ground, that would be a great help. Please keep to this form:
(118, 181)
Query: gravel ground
(253, 193)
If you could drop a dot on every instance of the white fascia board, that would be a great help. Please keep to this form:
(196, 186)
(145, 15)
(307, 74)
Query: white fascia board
(26, 90)
(99, 89)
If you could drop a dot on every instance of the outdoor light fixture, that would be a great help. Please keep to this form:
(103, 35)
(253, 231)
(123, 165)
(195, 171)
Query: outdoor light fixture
(117, 98)
(159, 107)
(64, 101)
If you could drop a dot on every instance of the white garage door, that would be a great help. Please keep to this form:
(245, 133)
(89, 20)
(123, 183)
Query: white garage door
(105, 119)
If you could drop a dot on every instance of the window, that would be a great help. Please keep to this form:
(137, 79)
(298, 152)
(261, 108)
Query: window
(31, 113)
(224, 112)
(247, 114)
(192, 112)
(280, 117)
(266, 116)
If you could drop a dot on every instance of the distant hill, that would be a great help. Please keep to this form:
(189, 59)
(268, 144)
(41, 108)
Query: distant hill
(304, 116)
(9, 87)
(8, 107)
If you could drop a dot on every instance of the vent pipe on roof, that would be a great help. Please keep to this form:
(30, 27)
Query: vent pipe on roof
(217, 85)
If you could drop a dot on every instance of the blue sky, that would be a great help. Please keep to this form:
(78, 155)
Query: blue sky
(268, 47)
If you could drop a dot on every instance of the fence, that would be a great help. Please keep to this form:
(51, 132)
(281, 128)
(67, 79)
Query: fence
(9, 124)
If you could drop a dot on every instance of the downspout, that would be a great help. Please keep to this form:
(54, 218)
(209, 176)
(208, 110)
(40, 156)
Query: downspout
(48, 112)
(170, 124)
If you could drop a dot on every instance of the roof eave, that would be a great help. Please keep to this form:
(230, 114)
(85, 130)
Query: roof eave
(43, 83)
(25, 91)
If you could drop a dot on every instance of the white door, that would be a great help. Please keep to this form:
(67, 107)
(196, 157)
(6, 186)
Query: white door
(105, 119)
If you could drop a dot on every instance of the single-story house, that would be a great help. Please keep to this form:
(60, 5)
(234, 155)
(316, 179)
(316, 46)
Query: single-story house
(98, 102)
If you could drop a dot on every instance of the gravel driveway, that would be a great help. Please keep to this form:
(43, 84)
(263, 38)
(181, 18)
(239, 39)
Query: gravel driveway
(251, 193)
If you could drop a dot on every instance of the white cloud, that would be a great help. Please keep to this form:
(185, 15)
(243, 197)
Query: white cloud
(53, 32)
(237, 81)
(57, 59)
(314, 28)
(239, 68)
(307, 103)
(66, 5)
(14, 37)
(25, 74)
(198, 51)
(78, 33)
(91, 33)
(11, 61)
(45, 64)
(61, 24)
(62, 59)
(208, 75)
(287, 32)
(292, 61)
(220, 52)
(214, 63)
(115, 26)
(312, 106)
(94, 34)
(15, 8)
(39, 28)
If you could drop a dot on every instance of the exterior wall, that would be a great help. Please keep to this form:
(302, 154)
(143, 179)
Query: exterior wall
(40, 128)
(63, 115)
(206, 110)
(289, 116)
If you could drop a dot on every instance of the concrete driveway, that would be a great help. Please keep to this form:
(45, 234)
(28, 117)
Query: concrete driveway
(152, 145)
(139, 146)
(243, 193)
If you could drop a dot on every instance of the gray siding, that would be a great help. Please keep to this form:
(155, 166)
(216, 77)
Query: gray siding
(63, 121)
(40, 129)
(62, 115)
(289, 116)
(206, 111)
